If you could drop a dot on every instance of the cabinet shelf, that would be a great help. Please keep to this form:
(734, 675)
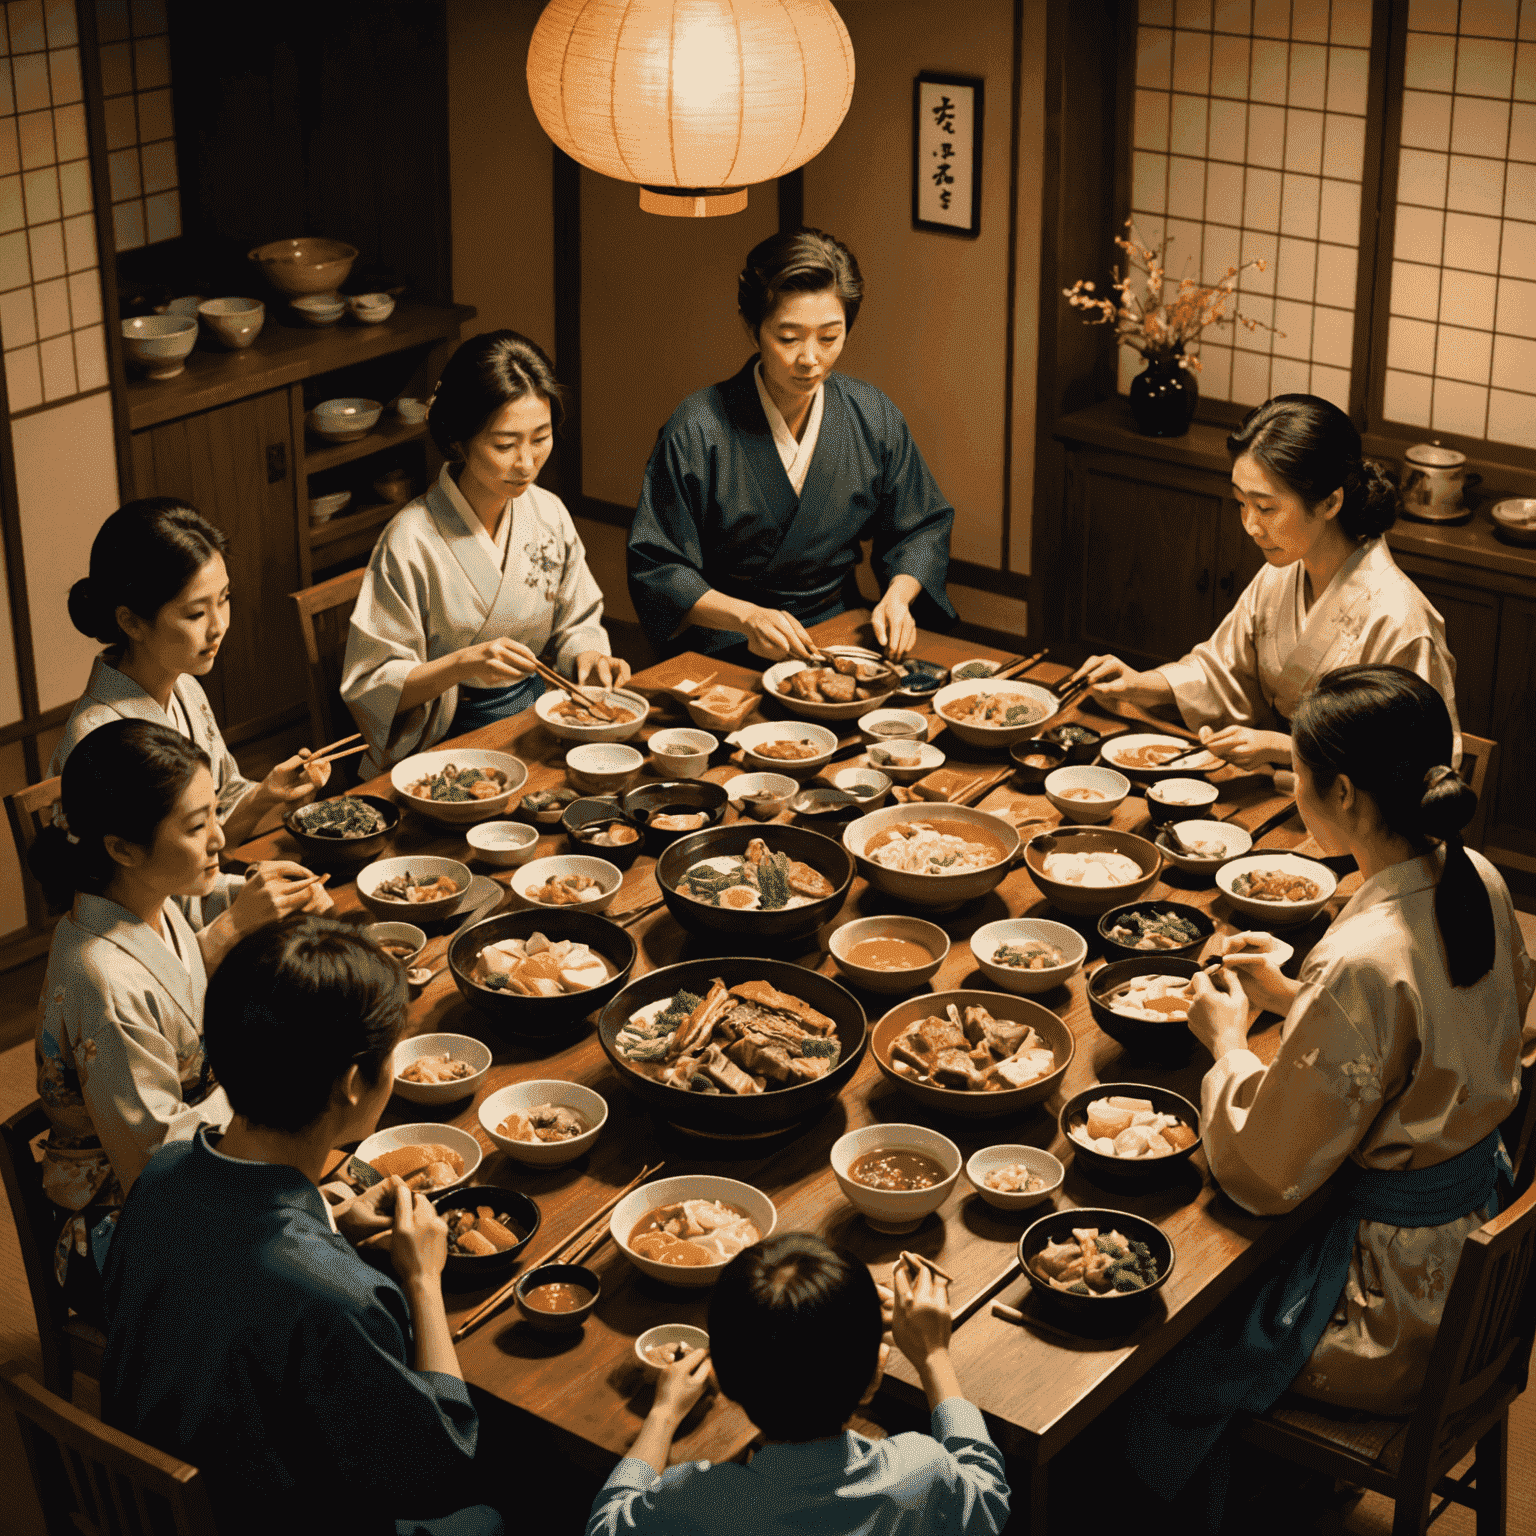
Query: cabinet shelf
(389, 433)
(345, 524)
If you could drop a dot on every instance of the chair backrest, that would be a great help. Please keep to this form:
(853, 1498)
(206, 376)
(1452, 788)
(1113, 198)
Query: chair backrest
(1519, 1131)
(96, 1480)
(1478, 756)
(325, 610)
(29, 810)
(68, 1345)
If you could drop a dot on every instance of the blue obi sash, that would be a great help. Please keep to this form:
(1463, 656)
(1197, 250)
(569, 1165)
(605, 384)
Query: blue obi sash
(485, 706)
(1245, 1365)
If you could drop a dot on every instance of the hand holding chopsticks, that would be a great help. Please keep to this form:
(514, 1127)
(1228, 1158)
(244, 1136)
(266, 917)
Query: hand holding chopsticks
(594, 706)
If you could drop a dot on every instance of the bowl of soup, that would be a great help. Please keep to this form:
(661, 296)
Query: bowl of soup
(544, 1122)
(682, 753)
(489, 1229)
(1028, 954)
(440, 1068)
(400, 941)
(889, 954)
(1086, 794)
(936, 856)
(895, 1175)
(1130, 1133)
(1036, 758)
(1085, 871)
(685, 1230)
(1279, 888)
(556, 1298)
(987, 713)
(1144, 1004)
(881, 725)
(568, 718)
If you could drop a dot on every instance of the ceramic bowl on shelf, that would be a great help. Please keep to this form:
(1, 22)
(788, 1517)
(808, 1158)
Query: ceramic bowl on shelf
(318, 309)
(371, 308)
(236, 322)
(159, 343)
(323, 508)
(188, 304)
(1514, 519)
(310, 265)
(408, 408)
(397, 485)
(345, 419)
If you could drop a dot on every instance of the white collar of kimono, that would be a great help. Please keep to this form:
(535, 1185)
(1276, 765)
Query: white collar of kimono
(795, 456)
(1395, 882)
(109, 686)
(184, 983)
(496, 548)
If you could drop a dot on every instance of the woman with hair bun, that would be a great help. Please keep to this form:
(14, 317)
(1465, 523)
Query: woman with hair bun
(1400, 1058)
(472, 583)
(761, 488)
(157, 597)
(1330, 594)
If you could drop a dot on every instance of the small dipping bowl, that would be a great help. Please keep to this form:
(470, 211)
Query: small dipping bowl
(397, 933)
(558, 1274)
(603, 767)
(914, 759)
(408, 408)
(505, 844)
(667, 1333)
(319, 308)
(762, 796)
(371, 308)
(1111, 786)
(1179, 800)
(1083, 751)
(1005, 1155)
(871, 786)
(1032, 776)
(914, 930)
(682, 753)
(893, 725)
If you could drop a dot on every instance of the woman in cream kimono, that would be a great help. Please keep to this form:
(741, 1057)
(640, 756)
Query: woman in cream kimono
(471, 583)
(1330, 594)
(1401, 1056)
(120, 1065)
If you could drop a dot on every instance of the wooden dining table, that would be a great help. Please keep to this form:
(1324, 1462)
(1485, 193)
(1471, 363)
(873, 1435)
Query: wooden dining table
(1038, 1382)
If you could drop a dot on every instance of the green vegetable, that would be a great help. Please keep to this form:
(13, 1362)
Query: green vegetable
(1079, 1288)
(831, 1049)
(677, 1012)
(1110, 1246)
(773, 882)
(1126, 1280)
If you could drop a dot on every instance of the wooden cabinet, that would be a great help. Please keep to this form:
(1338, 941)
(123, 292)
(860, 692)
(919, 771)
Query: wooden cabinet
(1512, 821)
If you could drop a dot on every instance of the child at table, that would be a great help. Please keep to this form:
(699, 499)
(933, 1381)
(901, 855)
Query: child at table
(795, 1328)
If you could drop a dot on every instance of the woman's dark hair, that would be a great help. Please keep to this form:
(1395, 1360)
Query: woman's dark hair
(291, 1007)
(794, 1332)
(142, 556)
(1313, 447)
(1390, 733)
(122, 780)
(802, 261)
(486, 373)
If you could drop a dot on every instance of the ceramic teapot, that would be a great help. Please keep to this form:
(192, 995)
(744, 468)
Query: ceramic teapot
(1433, 482)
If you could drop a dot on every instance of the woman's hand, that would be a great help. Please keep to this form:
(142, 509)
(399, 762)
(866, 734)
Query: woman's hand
(419, 1248)
(368, 1213)
(1111, 679)
(274, 889)
(612, 672)
(494, 663)
(777, 633)
(294, 779)
(1218, 1017)
(1266, 987)
(680, 1385)
(1245, 748)
(895, 628)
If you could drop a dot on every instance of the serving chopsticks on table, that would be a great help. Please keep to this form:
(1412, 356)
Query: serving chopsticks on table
(1018, 668)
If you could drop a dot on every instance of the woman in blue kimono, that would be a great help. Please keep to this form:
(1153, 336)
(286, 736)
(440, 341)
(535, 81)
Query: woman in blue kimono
(761, 488)
(245, 1334)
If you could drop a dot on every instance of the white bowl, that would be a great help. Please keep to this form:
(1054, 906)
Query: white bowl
(459, 813)
(603, 767)
(914, 929)
(607, 875)
(463, 1047)
(236, 322)
(430, 1132)
(1188, 796)
(371, 308)
(408, 408)
(779, 785)
(682, 765)
(563, 730)
(319, 309)
(1114, 787)
(929, 757)
(813, 709)
(1116, 748)
(323, 508)
(188, 304)
(895, 1210)
(937, 892)
(914, 727)
(991, 937)
(159, 343)
(592, 1107)
(755, 736)
(667, 1333)
(628, 1213)
(399, 933)
(989, 1159)
(996, 735)
(505, 844)
(1233, 839)
(346, 419)
(872, 779)
(1283, 914)
(372, 875)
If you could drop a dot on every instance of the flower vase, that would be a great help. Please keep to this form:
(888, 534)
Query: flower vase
(1163, 397)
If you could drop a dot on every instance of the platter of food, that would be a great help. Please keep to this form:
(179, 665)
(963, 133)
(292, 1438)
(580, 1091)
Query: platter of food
(849, 684)
(1142, 754)
(459, 786)
(568, 718)
(345, 827)
(685, 1230)
(987, 713)
(934, 856)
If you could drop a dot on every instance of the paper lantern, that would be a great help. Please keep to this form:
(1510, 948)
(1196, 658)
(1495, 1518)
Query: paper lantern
(694, 100)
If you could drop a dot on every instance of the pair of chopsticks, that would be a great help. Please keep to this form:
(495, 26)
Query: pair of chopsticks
(596, 706)
(318, 757)
(915, 1261)
(634, 914)
(570, 1251)
(1019, 668)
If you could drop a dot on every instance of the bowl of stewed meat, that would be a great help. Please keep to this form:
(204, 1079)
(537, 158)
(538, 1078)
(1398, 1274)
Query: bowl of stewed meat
(594, 714)
(1279, 888)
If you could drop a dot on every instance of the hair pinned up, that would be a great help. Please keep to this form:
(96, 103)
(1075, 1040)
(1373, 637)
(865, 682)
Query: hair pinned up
(486, 373)
(802, 261)
(1389, 733)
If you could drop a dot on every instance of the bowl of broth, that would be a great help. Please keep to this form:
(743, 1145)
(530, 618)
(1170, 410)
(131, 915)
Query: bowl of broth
(895, 1175)
(676, 808)
(893, 725)
(400, 941)
(963, 854)
(685, 1230)
(1086, 794)
(557, 1297)
(889, 954)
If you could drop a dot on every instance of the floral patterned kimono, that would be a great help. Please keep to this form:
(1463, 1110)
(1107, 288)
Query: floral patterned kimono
(1383, 1062)
(120, 1064)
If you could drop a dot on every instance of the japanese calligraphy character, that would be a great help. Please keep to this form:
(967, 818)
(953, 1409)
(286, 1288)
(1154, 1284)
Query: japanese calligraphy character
(944, 115)
(944, 198)
(943, 176)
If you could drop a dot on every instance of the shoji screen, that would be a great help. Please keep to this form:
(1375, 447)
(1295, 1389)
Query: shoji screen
(141, 153)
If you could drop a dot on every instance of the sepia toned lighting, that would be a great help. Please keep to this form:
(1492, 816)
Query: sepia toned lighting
(693, 100)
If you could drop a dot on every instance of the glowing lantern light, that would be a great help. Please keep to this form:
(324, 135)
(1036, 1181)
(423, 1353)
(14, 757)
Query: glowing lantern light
(695, 100)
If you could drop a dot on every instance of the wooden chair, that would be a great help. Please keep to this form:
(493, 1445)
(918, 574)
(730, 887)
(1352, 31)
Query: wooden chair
(1478, 755)
(69, 1345)
(97, 1481)
(1519, 1131)
(325, 610)
(1480, 1363)
(29, 810)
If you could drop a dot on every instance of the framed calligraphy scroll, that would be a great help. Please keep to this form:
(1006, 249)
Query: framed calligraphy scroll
(946, 153)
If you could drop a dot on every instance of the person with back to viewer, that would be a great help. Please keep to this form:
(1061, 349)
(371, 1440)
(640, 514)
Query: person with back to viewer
(795, 1330)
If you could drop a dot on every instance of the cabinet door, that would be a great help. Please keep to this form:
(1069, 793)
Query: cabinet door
(1147, 565)
(1512, 816)
(1472, 637)
(235, 465)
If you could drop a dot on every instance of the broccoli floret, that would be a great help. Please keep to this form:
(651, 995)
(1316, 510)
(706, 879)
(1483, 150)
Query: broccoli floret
(1140, 1249)
(1125, 1280)
(1110, 1246)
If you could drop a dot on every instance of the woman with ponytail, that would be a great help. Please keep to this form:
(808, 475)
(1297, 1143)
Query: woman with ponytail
(1329, 594)
(1401, 1056)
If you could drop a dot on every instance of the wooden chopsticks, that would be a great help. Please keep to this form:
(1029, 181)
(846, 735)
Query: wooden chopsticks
(340, 741)
(1019, 668)
(315, 759)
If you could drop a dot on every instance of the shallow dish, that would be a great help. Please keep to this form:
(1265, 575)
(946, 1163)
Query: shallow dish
(582, 821)
(925, 760)
(522, 1212)
(459, 813)
(387, 911)
(682, 764)
(346, 419)
(332, 849)
(871, 785)
(558, 1274)
(895, 1210)
(923, 679)
(539, 871)
(902, 725)
(429, 1133)
(991, 937)
(1114, 787)
(464, 1048)
(719, 720)
(399, 933)
(778, 790)
(1283, 914)
(1115, 752)
(1046, 706)
(563, 729)
(236, 322)
(1057, 1227)
(1167, 1040)
(1115, 949)
(159, 343)
(667, 1333)
(755, 736)
(1091, 901)
(1032, 776)
(913, 929)
(581, 1100)
(939, 893)
(1234, 839)
(632, 1209)
(506, 844)
(603, 767)
(1176, 799)
(1005, 1155)
(1125, 1170)
(812, 709)
(308, 265)
(318, 309)
(1054, 1036)
(976, 670)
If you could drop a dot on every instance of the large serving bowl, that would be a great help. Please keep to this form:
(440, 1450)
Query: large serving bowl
(523, 1214)
(331, 849)
(309, 265)
(812, 709)
(535, 875)
(371, 876)
(1118, 949)
(632, 1210)
(159, 343)
(928, 936)
(1118, 749)
(563, 729)
(427, 1133)
(731, 1114)
(1091, 901)
(1057, 1228)
(1127, 1170)
(755, 736)
(939, 893)
(679, 797)
(236, 322)
(1054, 1035)
(895, 1210)
(464, 1047)
(1063, 785)
(1044, 704)
(1161, 1040)
(1006, 1155)
(1283, 914)
(1018, 931)
(536, 1018)
(580, 1100)
(754, 929)
(459, 813)
(1235, 842)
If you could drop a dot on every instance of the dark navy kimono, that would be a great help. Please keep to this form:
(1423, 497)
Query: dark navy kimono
(248, 1338)
(717, 510)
